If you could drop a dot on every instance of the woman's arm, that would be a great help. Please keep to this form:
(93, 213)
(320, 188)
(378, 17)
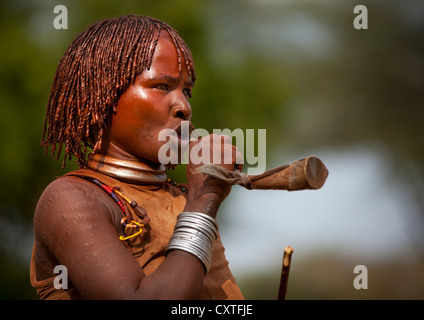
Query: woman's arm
(74, 222)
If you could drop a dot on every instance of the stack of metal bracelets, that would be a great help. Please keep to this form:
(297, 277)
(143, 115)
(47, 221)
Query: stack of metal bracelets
(195, 233)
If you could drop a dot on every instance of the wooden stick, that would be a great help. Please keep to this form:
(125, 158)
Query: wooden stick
(285, 273)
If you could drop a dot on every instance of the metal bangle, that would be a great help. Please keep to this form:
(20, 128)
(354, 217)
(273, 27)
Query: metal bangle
(195, 233)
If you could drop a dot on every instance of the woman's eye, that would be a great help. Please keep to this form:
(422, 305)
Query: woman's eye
(162, 86)
(187, 93)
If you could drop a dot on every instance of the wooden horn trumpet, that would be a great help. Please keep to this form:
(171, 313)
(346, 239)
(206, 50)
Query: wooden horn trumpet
(306, 173)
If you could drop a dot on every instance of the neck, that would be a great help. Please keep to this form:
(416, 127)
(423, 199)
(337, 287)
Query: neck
(128, 171)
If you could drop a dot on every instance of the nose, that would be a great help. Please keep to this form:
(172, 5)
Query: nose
(181, 109)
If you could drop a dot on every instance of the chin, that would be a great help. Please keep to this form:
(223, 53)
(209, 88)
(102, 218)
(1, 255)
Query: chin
(171, 166)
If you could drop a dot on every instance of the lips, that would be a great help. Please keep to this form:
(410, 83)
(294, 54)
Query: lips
(184, 130)
(178, 131)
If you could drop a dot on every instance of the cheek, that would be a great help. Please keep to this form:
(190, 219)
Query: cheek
(132, 112)
(133, 105)
(139, 106)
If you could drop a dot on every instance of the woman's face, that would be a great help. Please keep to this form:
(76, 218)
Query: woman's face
(157, 100)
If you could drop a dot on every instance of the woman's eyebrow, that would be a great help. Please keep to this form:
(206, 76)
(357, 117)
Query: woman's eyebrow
(169, 79)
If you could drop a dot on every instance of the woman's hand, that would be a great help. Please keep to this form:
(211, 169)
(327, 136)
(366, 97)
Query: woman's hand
(207, 193)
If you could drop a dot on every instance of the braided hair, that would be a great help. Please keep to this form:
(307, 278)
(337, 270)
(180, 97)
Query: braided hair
(96, 69)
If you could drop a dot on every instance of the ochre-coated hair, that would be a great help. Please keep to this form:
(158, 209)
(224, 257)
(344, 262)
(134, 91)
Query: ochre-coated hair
(97, 68)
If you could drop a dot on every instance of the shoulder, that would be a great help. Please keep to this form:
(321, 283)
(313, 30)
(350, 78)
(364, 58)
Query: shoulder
(70, 191)
(70, 201)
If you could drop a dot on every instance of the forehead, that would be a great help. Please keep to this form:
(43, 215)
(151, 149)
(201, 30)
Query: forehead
(166, 64)
(165, 57)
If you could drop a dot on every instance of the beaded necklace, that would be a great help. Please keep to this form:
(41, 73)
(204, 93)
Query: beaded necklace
(140, 211)
(174, 184)
(105, 163)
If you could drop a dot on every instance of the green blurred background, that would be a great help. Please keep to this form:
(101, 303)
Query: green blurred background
(298, 69)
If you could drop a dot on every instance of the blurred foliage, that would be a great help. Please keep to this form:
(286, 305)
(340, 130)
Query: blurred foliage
(310, 279)
(340, 86)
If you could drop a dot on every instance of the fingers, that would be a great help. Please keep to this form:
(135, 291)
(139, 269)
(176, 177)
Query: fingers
(216, 149)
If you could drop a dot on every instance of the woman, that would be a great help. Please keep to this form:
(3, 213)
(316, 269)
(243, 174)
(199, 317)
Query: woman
(113, 223)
